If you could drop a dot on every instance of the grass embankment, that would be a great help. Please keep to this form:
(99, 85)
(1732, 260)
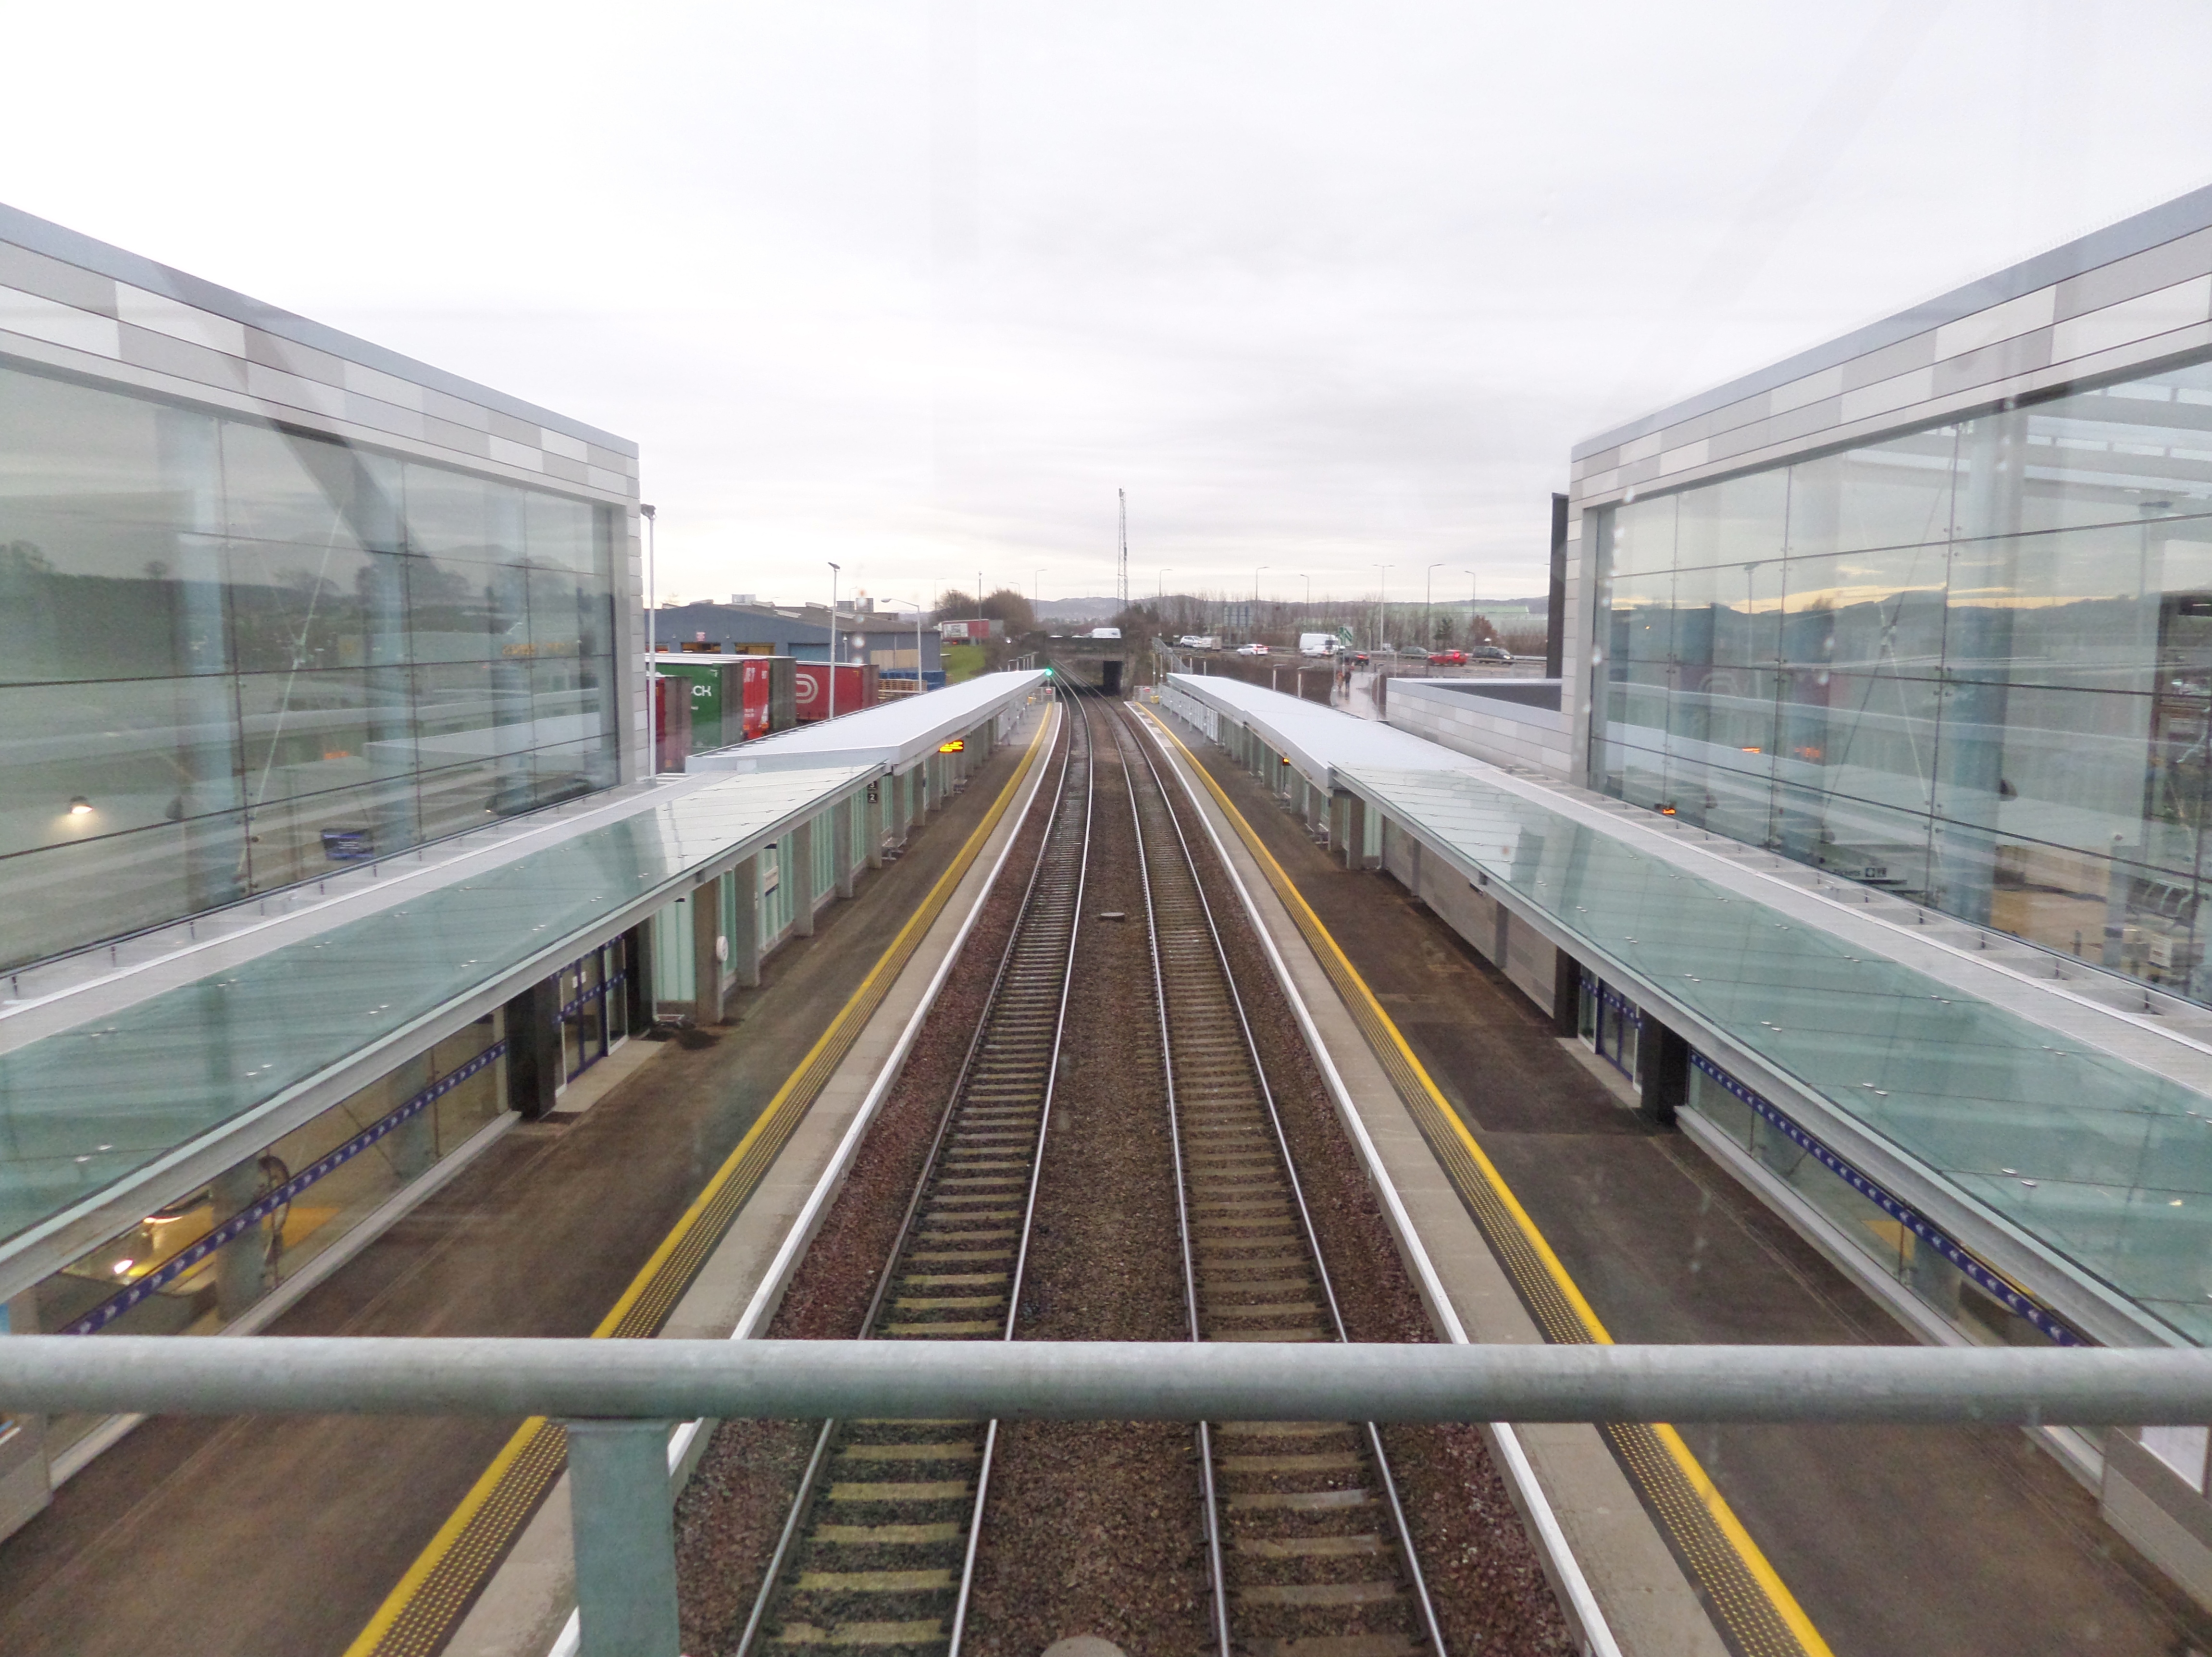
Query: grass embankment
(963, 662)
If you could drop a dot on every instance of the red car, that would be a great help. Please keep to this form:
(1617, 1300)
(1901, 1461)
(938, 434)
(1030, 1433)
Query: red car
(1448, 658)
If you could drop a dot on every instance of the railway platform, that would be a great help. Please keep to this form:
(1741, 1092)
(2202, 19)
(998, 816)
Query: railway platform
(1881, 1539)
(197, 1535)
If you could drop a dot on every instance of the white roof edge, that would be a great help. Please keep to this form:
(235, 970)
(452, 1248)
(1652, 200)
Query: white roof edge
(1317, 739)
(894, 734)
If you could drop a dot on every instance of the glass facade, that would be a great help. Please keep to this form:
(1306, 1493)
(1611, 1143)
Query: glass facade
(1972, 665)
(232, 655)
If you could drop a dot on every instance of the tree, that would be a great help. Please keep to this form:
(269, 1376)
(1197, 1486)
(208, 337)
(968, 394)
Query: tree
(1004, 605)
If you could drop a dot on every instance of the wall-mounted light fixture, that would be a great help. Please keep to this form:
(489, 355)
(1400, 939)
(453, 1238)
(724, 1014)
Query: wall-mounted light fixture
(80, 807)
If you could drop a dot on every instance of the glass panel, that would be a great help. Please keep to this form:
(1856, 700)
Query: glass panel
(263, 580)
(561, 534)
(1995, 645)
(285, 486)
(457, 612)
(86, 760)
(1643, 537)
(1643, 618)
(1981, 1096)
(111, 515)
(1896, 494)
(1739, 520)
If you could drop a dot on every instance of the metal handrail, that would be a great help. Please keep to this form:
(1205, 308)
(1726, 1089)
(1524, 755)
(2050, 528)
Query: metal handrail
(1100, 1380)
(619, 1397)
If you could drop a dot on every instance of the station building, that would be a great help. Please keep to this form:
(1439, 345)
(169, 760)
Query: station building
(333, 843)
(1860, 831)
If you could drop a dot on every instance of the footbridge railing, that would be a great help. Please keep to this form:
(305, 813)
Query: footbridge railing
(619, 1398)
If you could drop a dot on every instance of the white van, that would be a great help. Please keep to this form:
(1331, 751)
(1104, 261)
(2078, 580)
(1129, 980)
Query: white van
(1319, 644)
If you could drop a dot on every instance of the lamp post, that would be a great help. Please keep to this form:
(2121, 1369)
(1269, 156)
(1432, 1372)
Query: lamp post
(1254, 628)
(1429, 607)
(834, 569)
(1473, 602)
(1160, 593)
(652, 640)
(1382, 604)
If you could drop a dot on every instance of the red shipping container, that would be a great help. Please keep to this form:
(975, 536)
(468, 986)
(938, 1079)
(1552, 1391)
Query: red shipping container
(671, 722)
(813, 691)
(755, 696)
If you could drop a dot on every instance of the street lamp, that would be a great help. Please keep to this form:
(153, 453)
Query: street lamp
(1160, 593)
(1256, 569)
(1473, 602)
(1429, 607)
(834, 569)
(1382, 604)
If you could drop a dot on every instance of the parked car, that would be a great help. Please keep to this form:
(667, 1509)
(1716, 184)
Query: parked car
(1448, 658)
(1359, 658)
(1252, 650)
(1489, 654)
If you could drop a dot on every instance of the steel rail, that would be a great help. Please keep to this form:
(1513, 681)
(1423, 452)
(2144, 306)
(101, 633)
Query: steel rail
(1417, 1578)
(1036, 1174)
(1527, 1491)
(1208, 1494)
(802, 1501)
(1102, 1380)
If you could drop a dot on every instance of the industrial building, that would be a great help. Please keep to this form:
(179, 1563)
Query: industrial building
(864, 637)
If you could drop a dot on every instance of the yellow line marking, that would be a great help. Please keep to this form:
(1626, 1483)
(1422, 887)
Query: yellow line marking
(887, 965)
(1753, 1560)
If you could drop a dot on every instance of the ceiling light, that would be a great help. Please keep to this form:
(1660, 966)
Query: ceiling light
(80, 807)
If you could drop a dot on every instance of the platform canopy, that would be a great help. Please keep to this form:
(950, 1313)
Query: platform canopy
(2103, 1164)
(110, 1110)
(1315, 738)
(896, 734)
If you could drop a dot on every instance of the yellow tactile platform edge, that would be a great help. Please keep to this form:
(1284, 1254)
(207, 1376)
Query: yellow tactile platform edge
(1755, 1611)
(420, 1614)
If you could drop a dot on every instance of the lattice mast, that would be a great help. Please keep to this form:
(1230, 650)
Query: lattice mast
(1121, 581)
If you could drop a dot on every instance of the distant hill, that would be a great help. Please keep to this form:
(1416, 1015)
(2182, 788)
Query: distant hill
(1079, 610)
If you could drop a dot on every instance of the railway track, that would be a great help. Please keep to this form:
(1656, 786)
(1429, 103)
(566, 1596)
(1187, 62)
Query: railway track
(1306, 1544)
(1309, 1548)
(879, 1548)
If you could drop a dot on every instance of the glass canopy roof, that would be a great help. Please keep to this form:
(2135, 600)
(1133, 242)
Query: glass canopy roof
(87, 1107)
(2104, 1163)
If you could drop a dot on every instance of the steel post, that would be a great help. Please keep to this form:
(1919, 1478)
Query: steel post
(625, 1538)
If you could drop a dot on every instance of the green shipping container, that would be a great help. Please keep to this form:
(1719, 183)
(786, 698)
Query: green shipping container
(709, 681)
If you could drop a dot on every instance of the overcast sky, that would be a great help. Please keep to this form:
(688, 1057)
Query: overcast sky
(917, 287)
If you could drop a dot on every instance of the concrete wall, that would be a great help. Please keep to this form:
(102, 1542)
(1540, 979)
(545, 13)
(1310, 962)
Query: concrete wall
(1501, 733)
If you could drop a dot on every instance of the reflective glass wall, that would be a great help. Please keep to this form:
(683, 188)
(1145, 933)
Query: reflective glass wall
(232, 657)
(1972, 665)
